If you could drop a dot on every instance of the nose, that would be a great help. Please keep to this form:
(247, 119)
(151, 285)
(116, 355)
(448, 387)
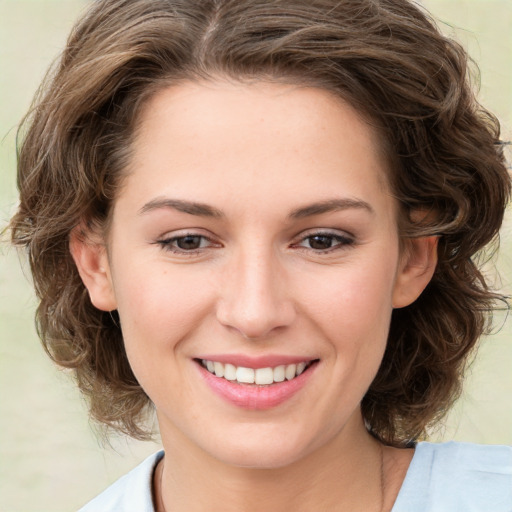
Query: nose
(254, 298)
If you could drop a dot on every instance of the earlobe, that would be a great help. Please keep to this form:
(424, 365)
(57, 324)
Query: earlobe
(91, 259)
(417, 267)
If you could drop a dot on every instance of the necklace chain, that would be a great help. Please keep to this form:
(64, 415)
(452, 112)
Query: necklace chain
(381, 478)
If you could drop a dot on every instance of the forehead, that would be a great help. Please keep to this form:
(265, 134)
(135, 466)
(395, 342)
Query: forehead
(214, 104)
(254, 141)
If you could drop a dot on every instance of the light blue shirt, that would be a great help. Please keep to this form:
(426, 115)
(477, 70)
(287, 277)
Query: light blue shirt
(447, 477)
(457, 477)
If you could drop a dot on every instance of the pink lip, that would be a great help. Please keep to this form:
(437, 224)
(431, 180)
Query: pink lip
(254, 397)
(268, 361)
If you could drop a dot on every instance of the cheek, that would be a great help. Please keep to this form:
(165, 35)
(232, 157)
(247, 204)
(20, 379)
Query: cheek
(158, 309)
(353, 302)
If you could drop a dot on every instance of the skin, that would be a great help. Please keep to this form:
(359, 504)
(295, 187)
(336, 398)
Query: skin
(258, 285)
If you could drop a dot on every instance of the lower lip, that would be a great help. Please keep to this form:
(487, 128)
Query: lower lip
(254, 397)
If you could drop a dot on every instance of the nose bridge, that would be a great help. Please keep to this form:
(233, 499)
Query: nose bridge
(254, 298)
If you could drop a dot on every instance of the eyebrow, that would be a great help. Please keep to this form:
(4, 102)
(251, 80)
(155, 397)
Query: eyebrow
(205, 210)
(330, 205)
(190, 207)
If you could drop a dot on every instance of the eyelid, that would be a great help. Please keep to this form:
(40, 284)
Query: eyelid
(335, 233)
(181, 233)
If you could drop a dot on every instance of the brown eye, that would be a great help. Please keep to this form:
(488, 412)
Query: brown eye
(321, 242)
(326, 242)
(186, 244)
(189, 242)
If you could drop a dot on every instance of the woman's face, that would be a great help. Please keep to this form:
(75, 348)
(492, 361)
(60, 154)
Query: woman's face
(255, 231)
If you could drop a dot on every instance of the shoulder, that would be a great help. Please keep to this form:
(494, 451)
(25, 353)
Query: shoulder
(472, 455)
(457, 476)
(131, 493)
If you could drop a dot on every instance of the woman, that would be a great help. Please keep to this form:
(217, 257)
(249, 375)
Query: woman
(261, 219)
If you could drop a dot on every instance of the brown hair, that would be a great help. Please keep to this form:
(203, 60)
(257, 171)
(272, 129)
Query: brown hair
(384, 57)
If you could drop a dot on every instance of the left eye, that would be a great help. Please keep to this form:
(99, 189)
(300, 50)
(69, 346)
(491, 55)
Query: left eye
(324, 242)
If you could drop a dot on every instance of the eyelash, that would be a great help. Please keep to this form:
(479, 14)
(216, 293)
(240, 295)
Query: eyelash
(344, 241)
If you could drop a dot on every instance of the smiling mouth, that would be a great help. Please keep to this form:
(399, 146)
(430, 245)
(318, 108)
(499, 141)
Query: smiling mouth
(255, 376)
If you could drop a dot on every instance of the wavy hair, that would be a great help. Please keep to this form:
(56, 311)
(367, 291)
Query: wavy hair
(386, 58)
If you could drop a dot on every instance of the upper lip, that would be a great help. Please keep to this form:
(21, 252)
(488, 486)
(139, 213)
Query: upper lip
(265, 361)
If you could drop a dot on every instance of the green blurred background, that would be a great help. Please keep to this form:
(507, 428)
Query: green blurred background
(50, 459)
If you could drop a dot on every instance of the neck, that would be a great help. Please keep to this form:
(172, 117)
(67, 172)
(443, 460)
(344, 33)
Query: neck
(347, 474)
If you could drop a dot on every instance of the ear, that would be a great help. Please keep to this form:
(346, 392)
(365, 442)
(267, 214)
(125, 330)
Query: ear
(416, 268)
(90, 255)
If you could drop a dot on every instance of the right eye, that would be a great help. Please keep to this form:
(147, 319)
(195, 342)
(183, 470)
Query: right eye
(189, 243)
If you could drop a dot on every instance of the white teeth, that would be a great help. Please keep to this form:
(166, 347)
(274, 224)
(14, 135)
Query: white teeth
(260, 376)
(229, 371)
(300, 368)
(290, 371)
(245, 375)
(264, 376)
(279, 373)
(219, 369)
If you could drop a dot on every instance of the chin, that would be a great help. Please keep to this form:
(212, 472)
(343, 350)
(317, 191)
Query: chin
(261, 452)
(260, 459)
